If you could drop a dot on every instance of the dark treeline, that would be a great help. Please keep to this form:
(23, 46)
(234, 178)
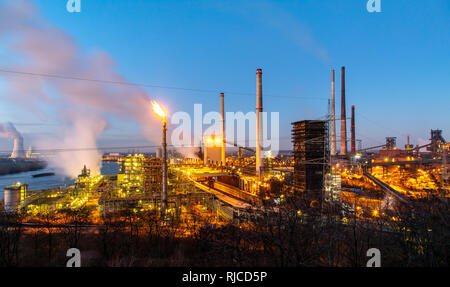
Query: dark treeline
(281, 237)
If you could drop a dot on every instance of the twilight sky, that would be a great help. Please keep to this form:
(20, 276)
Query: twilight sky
(397, 62)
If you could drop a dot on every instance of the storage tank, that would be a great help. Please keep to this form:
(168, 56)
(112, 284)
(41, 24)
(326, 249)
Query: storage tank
(13, 196)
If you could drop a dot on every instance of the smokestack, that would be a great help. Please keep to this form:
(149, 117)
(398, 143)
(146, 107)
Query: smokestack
(259, 109)
(343, 150)
(353, 131)
(18, 150)
(333, 117)
(222, 126)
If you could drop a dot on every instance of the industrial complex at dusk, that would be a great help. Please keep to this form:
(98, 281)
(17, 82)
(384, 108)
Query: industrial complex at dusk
(326, 197)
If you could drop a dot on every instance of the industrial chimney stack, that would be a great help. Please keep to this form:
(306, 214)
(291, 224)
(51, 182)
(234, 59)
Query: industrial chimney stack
(343, 150)
(353, 131)
(259, 109)
(333, 117)
(222, 126)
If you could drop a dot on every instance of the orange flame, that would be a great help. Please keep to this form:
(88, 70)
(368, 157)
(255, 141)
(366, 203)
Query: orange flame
(158, 110)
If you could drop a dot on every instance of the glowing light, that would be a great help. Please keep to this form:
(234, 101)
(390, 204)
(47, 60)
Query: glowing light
(158, 110)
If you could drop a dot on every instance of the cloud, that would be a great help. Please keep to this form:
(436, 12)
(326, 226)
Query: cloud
(275, 17)
(37, 46)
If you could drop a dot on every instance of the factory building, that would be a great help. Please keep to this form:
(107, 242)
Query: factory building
(212, 150)
(390, 150)
(437, 142)
(311, 157)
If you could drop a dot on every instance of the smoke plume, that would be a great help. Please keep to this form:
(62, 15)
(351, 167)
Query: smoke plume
(8, 130)
(37, 46)
(85, 140)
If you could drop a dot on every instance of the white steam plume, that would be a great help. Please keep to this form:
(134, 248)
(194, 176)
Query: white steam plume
(84, 141)
(37, 46)
(8, 130)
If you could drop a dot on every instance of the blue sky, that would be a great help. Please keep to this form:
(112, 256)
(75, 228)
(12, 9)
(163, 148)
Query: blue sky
(397, 61)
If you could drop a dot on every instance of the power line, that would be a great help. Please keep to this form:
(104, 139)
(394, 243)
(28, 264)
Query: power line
(63, 77)
(87, 149)
(50, 150)
(377, 123)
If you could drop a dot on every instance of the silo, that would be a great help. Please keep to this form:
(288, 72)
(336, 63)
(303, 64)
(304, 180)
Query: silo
(14, 195)
(11, 199)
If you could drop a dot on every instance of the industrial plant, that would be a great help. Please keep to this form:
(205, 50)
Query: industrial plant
(19, 160)
(319, 181)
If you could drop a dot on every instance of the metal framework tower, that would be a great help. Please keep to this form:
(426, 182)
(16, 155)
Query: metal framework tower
(311, 156)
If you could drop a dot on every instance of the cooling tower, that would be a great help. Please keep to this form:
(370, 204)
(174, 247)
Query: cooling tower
(18, 150)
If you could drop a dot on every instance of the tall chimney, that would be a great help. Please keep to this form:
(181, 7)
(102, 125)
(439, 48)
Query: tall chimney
(222, 126)
(259, 109)
(333, 117)
(343, 150)
(353, 131)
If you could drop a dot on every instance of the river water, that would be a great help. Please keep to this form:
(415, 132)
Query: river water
(45, 182)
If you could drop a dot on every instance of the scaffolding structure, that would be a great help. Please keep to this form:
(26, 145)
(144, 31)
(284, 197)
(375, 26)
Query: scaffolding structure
(153, 176)
(437, 142)
(140, 175)
(311, 157)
